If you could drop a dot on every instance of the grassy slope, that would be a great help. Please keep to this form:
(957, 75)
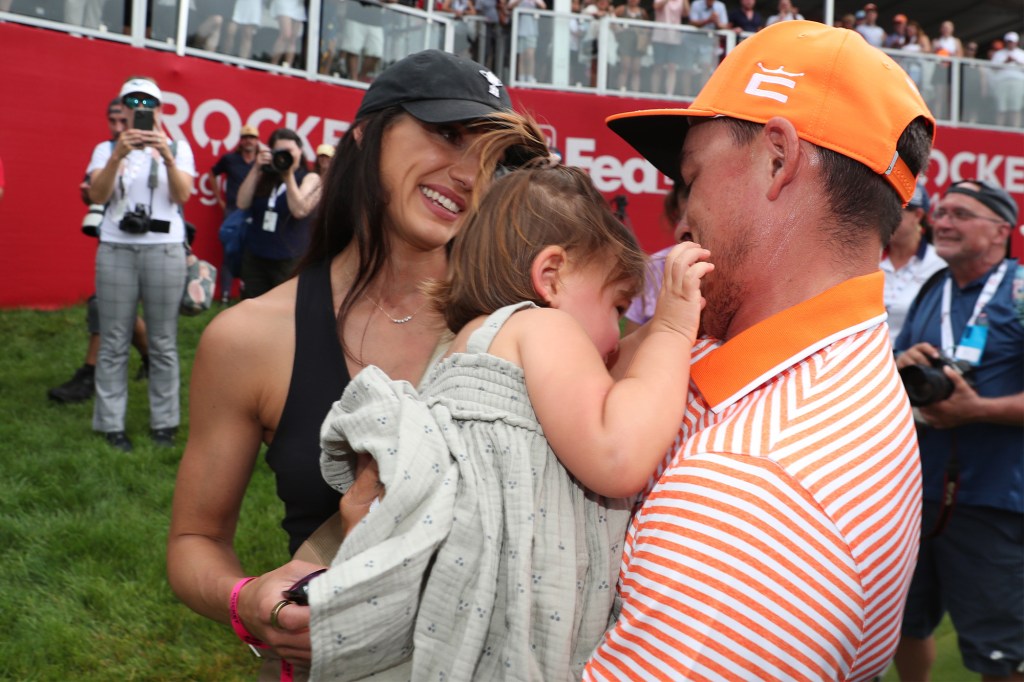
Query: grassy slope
(83, 593)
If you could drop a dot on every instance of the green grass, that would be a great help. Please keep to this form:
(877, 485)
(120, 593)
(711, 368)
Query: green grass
(83, 590)
(83, 527)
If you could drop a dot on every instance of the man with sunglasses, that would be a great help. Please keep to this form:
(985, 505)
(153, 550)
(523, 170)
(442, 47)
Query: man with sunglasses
(144, 180)
(81, 385)
(971, 560)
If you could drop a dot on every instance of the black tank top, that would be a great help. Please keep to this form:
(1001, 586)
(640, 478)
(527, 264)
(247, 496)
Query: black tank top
(319, 376)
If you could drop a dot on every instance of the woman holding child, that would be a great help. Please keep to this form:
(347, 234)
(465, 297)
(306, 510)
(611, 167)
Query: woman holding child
(267, 370)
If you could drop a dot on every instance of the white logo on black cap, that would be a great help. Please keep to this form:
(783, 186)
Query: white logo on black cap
(493, 82)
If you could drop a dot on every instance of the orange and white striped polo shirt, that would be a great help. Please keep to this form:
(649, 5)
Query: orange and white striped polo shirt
(779, 539)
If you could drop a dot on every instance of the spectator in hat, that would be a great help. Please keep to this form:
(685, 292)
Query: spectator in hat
(233, 166)
(909, 260)
(144, 180)
(1008, 82)
(970, 428)
(872, 32)
(82, 384)
(269, 369)
(898, 37)
(787, 12)
(779, 538)
(324, 154)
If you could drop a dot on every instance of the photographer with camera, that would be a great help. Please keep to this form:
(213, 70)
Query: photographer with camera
(280, 193)
(144, 180)
(81, 385)
(961, 358)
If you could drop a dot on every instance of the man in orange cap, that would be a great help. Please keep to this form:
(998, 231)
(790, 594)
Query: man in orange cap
(898, 37)
(779, 537)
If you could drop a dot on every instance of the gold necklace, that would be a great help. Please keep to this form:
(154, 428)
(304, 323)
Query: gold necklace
(400, 320)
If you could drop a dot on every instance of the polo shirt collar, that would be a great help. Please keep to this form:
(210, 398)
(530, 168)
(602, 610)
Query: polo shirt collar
(735, 368)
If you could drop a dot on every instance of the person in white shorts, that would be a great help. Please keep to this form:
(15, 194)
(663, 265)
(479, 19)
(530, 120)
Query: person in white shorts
(362, 36)
(248, 15)
(290, 15)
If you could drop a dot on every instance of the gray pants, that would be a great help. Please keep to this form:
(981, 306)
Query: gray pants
(126, 273)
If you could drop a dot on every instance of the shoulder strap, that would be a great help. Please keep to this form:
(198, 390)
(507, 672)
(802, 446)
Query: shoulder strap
(930, 283)
(481, 339)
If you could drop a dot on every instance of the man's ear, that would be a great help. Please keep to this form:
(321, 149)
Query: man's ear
(545, 272)
(785, 154)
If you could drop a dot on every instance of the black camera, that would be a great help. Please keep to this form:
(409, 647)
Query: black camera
(136, 221)
(280, 161)
(927, 384)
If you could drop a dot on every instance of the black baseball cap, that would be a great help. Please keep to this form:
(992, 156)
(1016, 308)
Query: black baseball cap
(437, 87)
(991, 195)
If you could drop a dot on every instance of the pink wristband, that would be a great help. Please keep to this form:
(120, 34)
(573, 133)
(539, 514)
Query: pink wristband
(236, 620)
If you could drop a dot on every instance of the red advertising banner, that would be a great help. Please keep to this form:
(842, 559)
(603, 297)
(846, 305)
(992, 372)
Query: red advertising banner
(54, 89)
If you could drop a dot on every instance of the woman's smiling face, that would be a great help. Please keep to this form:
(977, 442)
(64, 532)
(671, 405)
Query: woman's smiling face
(428, 174)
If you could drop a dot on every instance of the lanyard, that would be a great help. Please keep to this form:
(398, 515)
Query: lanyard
(987, 292)
(277, 192)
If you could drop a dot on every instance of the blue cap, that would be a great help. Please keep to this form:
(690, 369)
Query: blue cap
(920, 198)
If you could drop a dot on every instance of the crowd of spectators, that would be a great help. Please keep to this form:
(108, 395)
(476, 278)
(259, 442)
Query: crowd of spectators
(660, 60)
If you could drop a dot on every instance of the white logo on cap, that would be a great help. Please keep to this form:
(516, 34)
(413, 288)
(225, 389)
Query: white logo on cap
(776, 77)
(493, 82)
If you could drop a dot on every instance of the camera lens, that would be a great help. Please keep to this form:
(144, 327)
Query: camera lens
(281, 160)
(925, 385)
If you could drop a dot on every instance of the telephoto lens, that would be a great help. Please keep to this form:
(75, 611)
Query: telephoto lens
(91, 221)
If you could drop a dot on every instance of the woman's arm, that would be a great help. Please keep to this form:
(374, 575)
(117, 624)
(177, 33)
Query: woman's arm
(102, 180)
(180, 183)
(302, 199)
(227, 411)
(612, 434)
(248, 187)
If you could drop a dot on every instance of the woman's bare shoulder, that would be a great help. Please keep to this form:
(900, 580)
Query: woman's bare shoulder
(256, 328)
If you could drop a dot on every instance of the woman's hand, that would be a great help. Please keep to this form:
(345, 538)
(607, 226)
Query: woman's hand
(257, 600)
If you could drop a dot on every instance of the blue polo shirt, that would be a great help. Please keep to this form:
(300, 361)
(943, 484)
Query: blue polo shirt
(990, 456)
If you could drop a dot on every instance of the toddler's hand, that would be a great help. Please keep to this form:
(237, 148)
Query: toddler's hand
(679, 301)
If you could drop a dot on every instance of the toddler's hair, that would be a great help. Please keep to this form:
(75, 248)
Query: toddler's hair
(519, 215)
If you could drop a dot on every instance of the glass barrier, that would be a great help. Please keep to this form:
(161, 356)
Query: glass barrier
(94, 15)
(571, 51)
(991, 94)
(355, 39)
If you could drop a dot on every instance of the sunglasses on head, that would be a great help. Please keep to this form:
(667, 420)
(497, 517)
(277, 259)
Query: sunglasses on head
(135, 101)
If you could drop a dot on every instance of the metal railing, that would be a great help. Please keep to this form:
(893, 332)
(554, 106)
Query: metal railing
(351, 41)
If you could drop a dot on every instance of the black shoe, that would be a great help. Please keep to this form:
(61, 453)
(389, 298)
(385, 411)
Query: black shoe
(118, 440)
(164, 437)
(143, 372)
(78, 388)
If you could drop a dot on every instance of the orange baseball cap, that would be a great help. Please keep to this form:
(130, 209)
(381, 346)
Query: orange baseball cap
(838, 91)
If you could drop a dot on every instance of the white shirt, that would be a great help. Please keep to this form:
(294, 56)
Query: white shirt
(699, 11)
(789, 16)
(1014, 57)
(132, 187)
(901, 286)
(875, 35)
